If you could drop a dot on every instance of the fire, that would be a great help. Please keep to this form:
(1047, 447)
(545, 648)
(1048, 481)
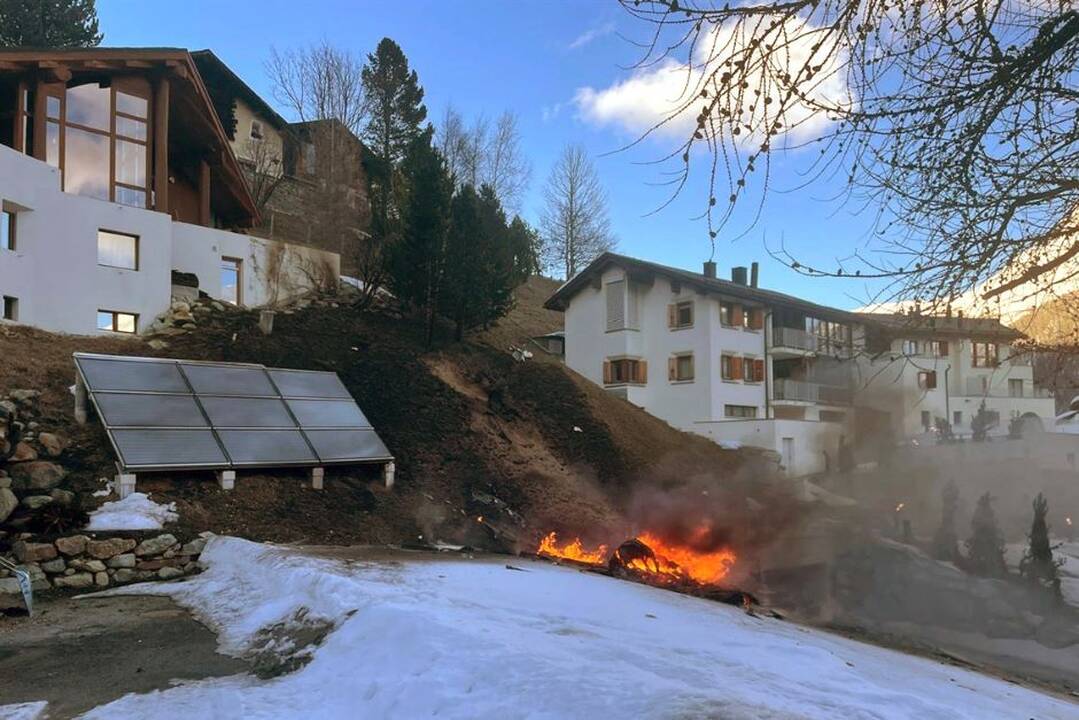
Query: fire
(900, 506)
(1068, 520)
(680, 561)
(574, 550)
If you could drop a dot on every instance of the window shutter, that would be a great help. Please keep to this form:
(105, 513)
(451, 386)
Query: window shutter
(756, 319)
(737, 315)
(931, 380)
(758, 370)
(672, 316)
(943, 348)
(736, 368)
(606, 372)
(642, 372)
(672, 368)
(692, 373)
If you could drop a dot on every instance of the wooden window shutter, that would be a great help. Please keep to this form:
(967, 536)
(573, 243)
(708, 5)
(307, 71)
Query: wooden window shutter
(756, 319)
(672, 315)
(737, 315)
(931, 380)
(642, 371)
(943, 348)
(736, 368)
(606, 372)
(672, 368)
(758, 370)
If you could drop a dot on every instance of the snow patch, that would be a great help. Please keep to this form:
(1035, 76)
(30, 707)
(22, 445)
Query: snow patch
(135, 512)
(23, 711)
(730, 444)
(459, 638)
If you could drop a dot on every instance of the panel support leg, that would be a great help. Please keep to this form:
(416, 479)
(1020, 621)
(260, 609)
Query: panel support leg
(81, 401)
(124, 484)
(317, 475)
(388, 471)
(226, 479)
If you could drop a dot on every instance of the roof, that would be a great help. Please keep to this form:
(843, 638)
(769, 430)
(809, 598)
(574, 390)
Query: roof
(208, 61)
(943, 326)
(60, 61)
(697, 281)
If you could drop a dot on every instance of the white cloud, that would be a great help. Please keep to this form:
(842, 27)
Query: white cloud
(589, 35)
(550, 112)
(651, 95)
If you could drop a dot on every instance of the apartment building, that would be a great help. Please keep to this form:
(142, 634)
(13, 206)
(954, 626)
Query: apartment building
(744, 365)
(116, 173)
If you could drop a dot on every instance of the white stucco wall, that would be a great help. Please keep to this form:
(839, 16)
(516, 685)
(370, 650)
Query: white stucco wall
(54, 273)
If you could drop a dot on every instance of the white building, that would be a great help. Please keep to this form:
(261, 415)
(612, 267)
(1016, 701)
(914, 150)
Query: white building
(740, 364)
(115, 172)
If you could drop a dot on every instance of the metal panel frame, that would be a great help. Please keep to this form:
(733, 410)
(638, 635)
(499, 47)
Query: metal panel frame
(231, 463)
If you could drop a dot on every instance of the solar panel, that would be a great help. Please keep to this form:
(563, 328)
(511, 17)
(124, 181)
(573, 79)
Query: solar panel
(174, 414)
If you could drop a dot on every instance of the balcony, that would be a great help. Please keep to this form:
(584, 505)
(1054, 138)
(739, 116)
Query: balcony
(787, 390)
(792, 342)
(981, 387)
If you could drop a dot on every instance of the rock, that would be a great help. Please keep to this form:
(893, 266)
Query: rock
(33, 502)
(33, 552)
(158, 344)
(101, 579)
(93, 566)
(52, 443)
(5, 481)
(155, 565)
(54, 566)
(62, 497)
(191, 567)
(124, 575)
(217, 306)
(8, 502)
(7, 409)
(168, 573)
(195, 547)
(10, 586)
(23, 397)
(105, 549)
(155, 546)
(36, 475)
(78, 580)
(74, 545)
(127, 560)
(23, 453)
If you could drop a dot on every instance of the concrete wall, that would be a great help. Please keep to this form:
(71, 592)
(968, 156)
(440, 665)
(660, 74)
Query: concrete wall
(54, 273)
(808, 440)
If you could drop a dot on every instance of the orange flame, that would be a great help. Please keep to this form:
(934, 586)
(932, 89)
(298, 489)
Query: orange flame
(679, 561)
(574, 550)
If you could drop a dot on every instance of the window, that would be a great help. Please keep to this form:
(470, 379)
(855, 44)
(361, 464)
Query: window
(910, 347)
(309, 158)
(753, 369)
(117, 250)
(730, 367)
(680, 315)
(755, 319)
(120, 322)
(983, 354)
(832, 416)
(680, 368)
(231, 277)
(927, 379)
(616, 305)
(7, 230)
(957, 417)
(256, 130)
(11, 308)
(731, 315)
(1015, 387)
(625, 371)
(740, 411)
(26, 117)
(926, 419)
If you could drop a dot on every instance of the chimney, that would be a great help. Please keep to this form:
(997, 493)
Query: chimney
(710, 269)
(754, 274)
(738, 274)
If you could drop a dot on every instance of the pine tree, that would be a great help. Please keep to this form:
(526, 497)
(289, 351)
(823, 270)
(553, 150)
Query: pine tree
(985, 547)
(945, 541)
(48, 23)
(1038, 564)
(416, 261)
(394, 103)
(524, 242)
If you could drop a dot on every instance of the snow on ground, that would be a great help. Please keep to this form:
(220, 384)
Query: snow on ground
(22, 711)
(1069, 571)
(135, 512)
(418, 636)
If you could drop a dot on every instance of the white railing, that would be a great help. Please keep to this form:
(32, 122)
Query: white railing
(794, 338)
(802, 391)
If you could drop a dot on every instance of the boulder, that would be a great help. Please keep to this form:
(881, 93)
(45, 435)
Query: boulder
(54, 566)
(124, 575)
(8, 502)
(101, 579)
(127, 560)
(74, 545)
(36, 475)
(24, 397)
(23, 453)
(33, 502)
(33, 552)
(168, 573)
(105, 549)
(155, 546)
(78, 580)
(52, 443)
(195, 547)
(62, 497)
(92, 566)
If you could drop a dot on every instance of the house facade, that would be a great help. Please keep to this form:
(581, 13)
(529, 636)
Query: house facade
(116, 173)
(744, 365)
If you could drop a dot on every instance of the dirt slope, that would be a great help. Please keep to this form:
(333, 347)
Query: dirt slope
(473, 431)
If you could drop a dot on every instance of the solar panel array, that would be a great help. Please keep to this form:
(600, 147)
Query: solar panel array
(176, 414)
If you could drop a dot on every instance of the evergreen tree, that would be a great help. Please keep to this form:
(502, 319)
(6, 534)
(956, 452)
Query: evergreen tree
(945, 541)
(48, 23)
(416, 261)
(985, 547)
(1038, 564)
(524, 242)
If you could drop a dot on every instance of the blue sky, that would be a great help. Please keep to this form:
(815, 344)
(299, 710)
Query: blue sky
(531, 57)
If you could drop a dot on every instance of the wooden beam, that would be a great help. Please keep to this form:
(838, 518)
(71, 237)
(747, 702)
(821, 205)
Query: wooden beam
(5, 65)
(39, 121)
(138, 64)
(20, 118)
(204, 194)
(161, 145)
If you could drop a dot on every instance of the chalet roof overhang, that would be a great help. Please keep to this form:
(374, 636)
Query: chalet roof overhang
(930, 326)
(234, 200)
(208, 61)
(644, 272)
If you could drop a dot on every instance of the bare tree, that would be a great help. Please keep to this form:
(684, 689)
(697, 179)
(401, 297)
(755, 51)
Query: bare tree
(574, 225)
(266, 170)
(319, 82)
(951, 121)
(481, 154)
